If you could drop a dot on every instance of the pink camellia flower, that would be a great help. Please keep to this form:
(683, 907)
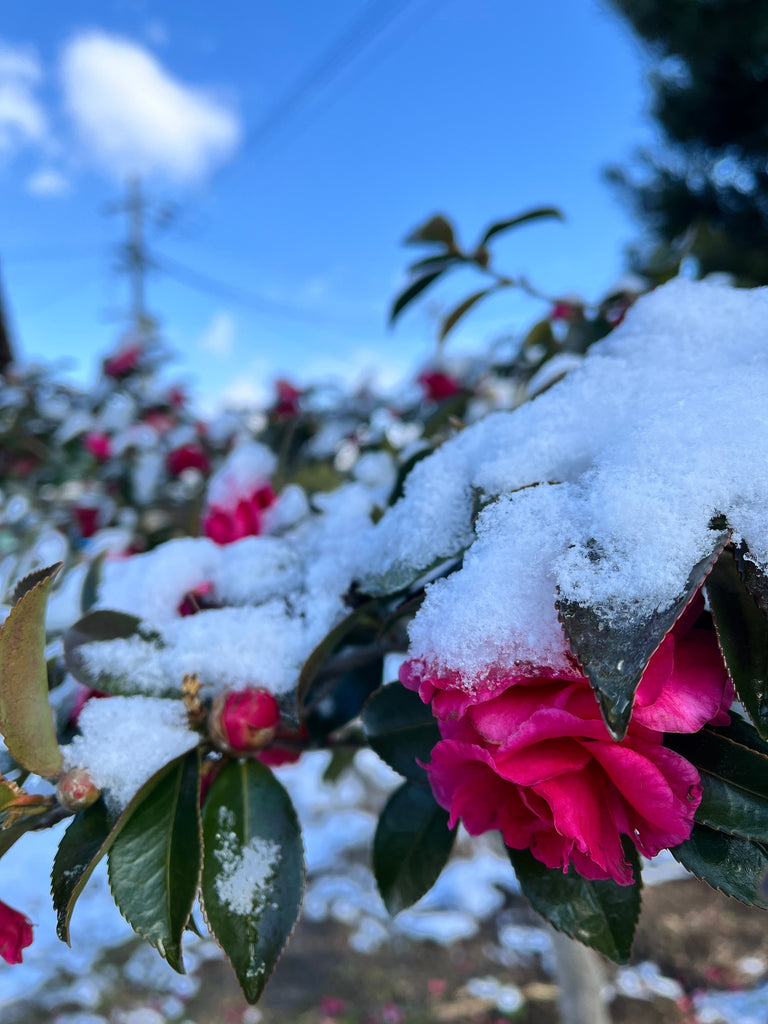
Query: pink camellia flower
(225, 525)
(123, 362)
(15, 934)
(286, 405)
(99, 445)
(439, 386)
(245, 721)
(189, 456)
(529, 754)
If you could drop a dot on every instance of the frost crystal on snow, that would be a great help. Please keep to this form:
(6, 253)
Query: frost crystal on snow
(245, 872)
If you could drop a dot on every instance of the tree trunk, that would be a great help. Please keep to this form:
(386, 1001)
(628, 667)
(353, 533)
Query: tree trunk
(581, 979)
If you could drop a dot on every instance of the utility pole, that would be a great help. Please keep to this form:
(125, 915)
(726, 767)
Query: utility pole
(135, 260)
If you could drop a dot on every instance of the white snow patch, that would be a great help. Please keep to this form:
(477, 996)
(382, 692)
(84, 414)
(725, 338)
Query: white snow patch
(246, 872)
(125, 740)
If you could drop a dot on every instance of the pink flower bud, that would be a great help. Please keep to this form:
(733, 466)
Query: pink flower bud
(245, 721)
(76, 790)
(99, 445)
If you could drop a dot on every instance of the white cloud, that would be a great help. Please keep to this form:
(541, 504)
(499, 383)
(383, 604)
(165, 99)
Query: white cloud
(134, 117)
(219, 336)
(22, 118)
(47, 182)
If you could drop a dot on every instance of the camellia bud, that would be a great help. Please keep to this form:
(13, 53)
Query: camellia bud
(76, 790)
(243, 722)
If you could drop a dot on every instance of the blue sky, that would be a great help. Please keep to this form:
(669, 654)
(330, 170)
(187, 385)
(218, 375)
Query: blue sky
(295, 201)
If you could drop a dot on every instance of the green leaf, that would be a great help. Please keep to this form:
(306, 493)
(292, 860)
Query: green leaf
(411, 846)
(614, 651)
(98, 626)
(253, 870)
(411, 292)
(26, 722)
(401, 729)
(734, 778)
(155, 862)
(326, 647)
(90, 588)
(438, 230)
(600, 914)
(732, 865)
(455, 315)
(523, 218)
(542, 335)
(82, 846)
(742, 631)
(88, 838)
(755, 580)
(442, 261)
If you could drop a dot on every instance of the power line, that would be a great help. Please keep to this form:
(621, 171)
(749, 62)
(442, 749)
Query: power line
(345, 49)
(260, 303)
(361, 33)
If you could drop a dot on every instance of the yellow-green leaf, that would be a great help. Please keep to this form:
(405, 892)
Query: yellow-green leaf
(26, 722)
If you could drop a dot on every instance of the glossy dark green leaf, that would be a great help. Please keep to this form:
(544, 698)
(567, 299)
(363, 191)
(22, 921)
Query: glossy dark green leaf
(88, 838)
(253, 870)
(600, 914)
(450, 321)
(411, 846)
(102, 625)
(734, 779)
(438, 230)
(742, 631)
(755, 579)
(26, 722)
(613, 652)
(414, 289)
(155, 862)
(401, 729)
(732, 865)
(523, 218)
(326, 647)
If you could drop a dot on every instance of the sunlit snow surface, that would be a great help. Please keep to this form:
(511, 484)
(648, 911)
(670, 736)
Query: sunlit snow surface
(661, 427)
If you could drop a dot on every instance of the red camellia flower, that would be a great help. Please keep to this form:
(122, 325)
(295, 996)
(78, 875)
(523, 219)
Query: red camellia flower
(439, 386)
(99, 445)
(189, 456)
(286, 405)
(124, 362)
(529, 754)
(15, 934)
(245, 721)
(87, 517)
(225, 525)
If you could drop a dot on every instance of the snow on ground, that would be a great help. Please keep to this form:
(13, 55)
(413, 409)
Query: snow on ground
(338, 822)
